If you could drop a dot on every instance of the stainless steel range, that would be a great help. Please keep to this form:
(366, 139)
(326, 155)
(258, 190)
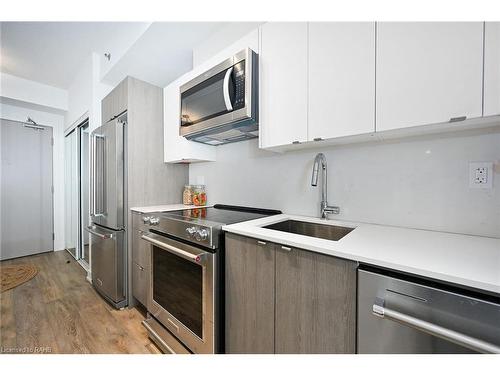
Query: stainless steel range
(186, 304)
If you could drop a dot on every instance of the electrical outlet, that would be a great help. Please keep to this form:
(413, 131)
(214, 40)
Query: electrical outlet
(481, 175)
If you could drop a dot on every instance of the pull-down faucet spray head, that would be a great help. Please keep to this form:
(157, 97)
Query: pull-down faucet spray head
(319, 159)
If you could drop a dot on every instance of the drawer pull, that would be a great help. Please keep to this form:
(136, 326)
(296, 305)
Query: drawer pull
(286, 248)
(262, 243)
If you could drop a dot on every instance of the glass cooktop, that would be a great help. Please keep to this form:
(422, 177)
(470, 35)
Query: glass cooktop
(220, 214)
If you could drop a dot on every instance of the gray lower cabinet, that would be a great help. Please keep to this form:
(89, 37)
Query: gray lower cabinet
(315, 303)
(141, 264)
(249, 295)
(287, 300)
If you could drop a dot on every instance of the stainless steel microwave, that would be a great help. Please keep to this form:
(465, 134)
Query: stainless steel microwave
(221, 105)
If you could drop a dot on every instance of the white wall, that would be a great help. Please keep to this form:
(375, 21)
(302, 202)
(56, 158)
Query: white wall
(417, 183)
(32, 92)
(20, 112)
(221, 39)
(86, 92)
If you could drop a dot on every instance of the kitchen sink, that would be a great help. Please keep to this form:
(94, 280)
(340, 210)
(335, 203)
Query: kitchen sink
(327, 232)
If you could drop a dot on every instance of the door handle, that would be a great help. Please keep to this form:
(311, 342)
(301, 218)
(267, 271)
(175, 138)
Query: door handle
(382, 312)
(225, 89)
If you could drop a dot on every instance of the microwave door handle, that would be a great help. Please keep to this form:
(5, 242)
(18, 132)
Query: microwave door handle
(225, 89)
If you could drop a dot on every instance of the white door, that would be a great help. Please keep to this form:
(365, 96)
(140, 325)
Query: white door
(341, 79)
(428, 72)
(492, 68)
(26, 189)
(283, 83)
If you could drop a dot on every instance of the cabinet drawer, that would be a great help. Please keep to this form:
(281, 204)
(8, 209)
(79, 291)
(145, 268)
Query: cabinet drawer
(140, 283)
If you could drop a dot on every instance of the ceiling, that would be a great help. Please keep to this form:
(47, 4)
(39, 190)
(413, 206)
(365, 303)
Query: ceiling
(52, 52)
(163, 53)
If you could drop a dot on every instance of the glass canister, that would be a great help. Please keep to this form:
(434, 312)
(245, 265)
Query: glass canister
(187, 195)
(199, 195)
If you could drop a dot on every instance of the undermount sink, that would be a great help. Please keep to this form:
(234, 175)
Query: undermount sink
(327, 232)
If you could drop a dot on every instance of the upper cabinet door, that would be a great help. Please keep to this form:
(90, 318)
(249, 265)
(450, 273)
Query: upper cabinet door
(428, 72)
(492, 68)
(283, 83)
(341, 79)
(115, 102)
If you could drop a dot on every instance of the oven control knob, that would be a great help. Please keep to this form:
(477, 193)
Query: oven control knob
(191, 231)
(146, 219)
(201, 234)
(154, 221)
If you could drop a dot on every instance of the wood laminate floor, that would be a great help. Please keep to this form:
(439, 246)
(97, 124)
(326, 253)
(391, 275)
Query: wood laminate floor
(58, 311)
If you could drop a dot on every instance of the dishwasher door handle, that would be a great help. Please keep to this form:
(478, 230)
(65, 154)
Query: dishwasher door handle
(432, 329)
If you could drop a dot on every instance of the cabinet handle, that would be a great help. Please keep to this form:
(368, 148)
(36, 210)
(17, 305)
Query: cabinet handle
(262, 243)
(317, 139)
(139, 266)
(457, 119)
(295, 142)
(286, 248)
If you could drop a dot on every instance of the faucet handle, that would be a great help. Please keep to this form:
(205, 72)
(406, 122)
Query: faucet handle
(330, 210)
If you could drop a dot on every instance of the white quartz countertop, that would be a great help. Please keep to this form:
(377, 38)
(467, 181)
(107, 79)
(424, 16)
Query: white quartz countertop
(470, 261)
(164, 208)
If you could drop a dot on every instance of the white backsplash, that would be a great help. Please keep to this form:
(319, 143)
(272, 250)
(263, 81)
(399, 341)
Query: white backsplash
(417, 183)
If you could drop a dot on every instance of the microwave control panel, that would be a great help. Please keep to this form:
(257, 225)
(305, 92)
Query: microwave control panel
(239, 85)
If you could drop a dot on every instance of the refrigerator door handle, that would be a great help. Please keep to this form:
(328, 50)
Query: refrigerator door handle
(95, 212)
(104, 236)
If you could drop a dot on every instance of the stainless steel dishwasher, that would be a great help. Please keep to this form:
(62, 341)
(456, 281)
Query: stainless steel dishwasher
(399, 315)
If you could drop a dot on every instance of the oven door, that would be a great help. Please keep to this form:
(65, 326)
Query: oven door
(219, 96)
(182, 291)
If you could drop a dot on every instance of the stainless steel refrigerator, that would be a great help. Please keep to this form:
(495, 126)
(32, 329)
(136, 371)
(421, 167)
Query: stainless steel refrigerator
(108, 253)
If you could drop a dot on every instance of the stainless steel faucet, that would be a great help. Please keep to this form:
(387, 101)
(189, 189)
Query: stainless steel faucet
(325, 209)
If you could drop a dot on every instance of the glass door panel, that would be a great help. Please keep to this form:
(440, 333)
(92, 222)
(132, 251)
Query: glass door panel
(71, 193)
(84, 191)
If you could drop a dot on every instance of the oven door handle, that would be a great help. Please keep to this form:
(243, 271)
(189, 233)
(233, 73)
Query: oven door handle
(174, 250)
(379, 310)
(225, 89)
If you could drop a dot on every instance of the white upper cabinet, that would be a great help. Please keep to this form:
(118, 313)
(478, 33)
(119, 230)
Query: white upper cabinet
(492, 68)
(283, 83)
(428, 72)
(178, 149)
(341, 79)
